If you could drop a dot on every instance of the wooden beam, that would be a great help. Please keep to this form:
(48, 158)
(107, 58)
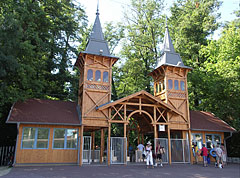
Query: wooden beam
(81, 145)
(125, 144)
(140, 105)
(155, 131)
(117, 121)
(102, 145)
(93, 145)
(117, 112)
(190, 146)
(169, 146)
(109, 140)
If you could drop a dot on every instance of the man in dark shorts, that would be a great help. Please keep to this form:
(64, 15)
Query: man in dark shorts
(160, 151)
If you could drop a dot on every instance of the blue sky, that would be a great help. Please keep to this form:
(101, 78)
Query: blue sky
(112, 10)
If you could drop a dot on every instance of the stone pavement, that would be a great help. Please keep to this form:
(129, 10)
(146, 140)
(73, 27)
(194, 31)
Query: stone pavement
(121, 171)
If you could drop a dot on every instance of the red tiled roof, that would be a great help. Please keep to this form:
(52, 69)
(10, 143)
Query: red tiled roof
(44, 112)
(201, 120)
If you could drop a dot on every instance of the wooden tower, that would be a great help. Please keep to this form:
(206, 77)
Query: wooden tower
(95, 66)
(170, 85)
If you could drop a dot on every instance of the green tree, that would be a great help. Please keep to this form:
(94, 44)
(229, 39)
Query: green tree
(140, 51)
(191, 22)
(36, 45)
(221, 75)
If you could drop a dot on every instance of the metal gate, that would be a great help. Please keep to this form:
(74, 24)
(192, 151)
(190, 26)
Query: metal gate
(180, 152)
(118, 152)
(163, 142)
(87, 149)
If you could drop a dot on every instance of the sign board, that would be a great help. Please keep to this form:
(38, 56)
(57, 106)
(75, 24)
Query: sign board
(162, 128)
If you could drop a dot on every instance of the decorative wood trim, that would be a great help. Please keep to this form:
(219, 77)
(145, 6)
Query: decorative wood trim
(96, 104)
(117, 112)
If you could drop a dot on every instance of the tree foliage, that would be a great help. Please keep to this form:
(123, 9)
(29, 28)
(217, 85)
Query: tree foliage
(36, 45)
(140, 50)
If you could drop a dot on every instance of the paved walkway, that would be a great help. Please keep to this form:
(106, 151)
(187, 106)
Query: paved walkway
(121, 171)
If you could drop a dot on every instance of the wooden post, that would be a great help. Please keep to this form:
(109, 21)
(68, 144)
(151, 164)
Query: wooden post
(125, 143)
(169, 147)
(155, 131)
(93, 145)
(142, 138)
(109, 140)
(190, 146)
(81, 145)
(102, 145)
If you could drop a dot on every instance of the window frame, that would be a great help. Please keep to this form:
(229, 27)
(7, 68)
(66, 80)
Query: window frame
(194, 139)
(65, 139)
(35, 138)
(212, 141)
(106, 77)
(92, 75)
(176, 81)
(183, 85)
(100, 79)
(169, 85)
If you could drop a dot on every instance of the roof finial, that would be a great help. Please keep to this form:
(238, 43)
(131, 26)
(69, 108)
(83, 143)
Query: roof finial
(97, 8)
(166, 22)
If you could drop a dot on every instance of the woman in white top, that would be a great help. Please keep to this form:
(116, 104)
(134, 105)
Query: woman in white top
(149, 154)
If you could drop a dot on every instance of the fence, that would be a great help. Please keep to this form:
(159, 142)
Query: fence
(5, 153)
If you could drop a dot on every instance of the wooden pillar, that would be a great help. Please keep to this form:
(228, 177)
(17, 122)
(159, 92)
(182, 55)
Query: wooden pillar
(169, 147)
(102, 145)
(142, 138)
(125, 143)
(109, 140)
(81, 145)
(190, 146)
(155, 131)
(93, 145)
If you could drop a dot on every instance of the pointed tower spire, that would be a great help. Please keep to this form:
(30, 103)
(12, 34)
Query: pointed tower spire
(167, 42)
(96, 42)
(169, 56)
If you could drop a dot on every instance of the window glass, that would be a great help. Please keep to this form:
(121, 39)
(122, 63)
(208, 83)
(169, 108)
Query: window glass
(170, 84)
(42, 138)
(98, 76)
(59, 136)
(182, 85)
(197, 138)
(176, 85)
(28, 137)
(90, 75)
(105, 76)
(71, 138)
(212, 140)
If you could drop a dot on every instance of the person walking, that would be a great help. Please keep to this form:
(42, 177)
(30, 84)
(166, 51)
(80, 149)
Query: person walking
(204, 154)
(219, 155)
(149, 154)
(224, 157)
(160, 151)
(141, 148)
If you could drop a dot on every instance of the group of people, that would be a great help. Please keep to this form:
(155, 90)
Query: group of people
(218, 153)
(152, 158)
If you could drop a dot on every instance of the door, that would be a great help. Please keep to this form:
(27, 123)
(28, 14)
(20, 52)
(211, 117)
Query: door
(87, 149)
(118, 152)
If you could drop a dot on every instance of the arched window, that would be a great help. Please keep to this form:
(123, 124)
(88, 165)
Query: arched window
(105, 76)
(176, 87)
(90, 75)
(98, 76)
(170, 84)
(182, 85)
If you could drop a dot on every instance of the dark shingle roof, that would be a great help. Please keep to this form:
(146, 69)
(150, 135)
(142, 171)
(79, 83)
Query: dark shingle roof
(169, 56)
(38, 111)
(206, 121)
